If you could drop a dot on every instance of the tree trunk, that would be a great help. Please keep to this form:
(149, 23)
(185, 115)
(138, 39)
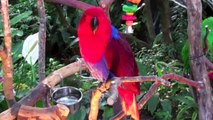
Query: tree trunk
(163, 6)
(197, 64)
(149, 21)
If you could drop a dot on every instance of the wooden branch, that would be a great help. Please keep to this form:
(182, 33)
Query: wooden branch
(184, 80)
(5, 53)
(197, 64)
(205, 40)
(142, 79)
(142, 102)
(42, 39)
(73, 3)
(94, 103)
(2, 54)
(57, 112)
(42, 46)
(147, 96)
(42, 89)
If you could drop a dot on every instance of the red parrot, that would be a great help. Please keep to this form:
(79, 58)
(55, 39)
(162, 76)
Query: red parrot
(210, 75)
(107, 54)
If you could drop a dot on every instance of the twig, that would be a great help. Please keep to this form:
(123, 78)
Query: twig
(73, 3)
(180, 4)
(148, 95)
(142, 79)
(5, 53)
(42, 46)
(205, 40)
(182, 79)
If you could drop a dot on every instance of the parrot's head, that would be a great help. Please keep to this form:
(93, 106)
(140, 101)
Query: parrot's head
(94, 32)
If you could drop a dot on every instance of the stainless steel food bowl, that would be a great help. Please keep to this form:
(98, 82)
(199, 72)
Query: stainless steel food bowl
(69, 96)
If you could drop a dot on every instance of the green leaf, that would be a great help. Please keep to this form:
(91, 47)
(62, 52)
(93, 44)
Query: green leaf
(39, 104)
(16, 32)
(185, 50)
(1, 97)
(16, 51)
(20, 17)
(185, 55)
(208, 22)
(1, 27)
(166, 105)
(141, 67)
(108, 112)
(153, 102)
(79, 115)
(194, 116)
(65, 36)
(187, 100)
(180, 114)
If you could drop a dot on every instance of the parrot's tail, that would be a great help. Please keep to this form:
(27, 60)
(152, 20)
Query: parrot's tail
(129, 103)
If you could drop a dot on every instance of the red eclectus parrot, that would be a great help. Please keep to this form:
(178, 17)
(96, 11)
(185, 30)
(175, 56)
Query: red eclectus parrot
(106, 54)
(210, 74)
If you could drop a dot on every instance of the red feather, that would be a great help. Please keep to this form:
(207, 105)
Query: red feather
(97, 49)
(93, 46)
(121, 62)
(210, 75)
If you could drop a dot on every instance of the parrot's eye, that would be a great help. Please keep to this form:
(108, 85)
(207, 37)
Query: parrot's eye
(94, 24)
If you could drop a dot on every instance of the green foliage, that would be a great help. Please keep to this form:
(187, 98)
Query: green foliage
(153, 102)
(209, 23)
(165, 104)
(185, 50)
(20, 17)
(108, 112)
(22, 20)
(185, 55)
(157, 61)
(80, 115)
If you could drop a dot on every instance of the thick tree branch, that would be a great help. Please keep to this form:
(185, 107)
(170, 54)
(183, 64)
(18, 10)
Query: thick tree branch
(6, 55)
(184, 80)
(94, 103)
(42, 89)
(57, 112)
(155, 86)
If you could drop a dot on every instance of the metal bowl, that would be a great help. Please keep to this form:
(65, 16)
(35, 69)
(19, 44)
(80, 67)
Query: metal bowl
(69, 96)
